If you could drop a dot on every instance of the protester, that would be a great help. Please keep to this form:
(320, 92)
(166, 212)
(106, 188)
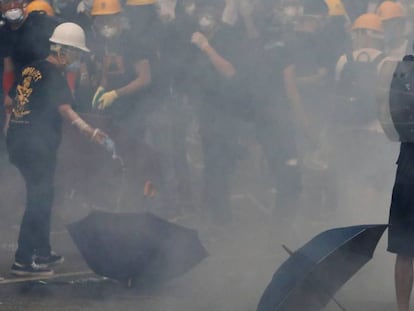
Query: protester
(42, 99)
(23, 40)
(212, 73)
(394, 21)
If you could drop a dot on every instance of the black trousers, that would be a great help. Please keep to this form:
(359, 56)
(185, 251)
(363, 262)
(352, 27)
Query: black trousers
(37, 166)
(221, 150)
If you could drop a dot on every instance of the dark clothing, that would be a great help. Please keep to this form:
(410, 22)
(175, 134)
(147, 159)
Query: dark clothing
(405, 162)
(270, 111)
(206, 83)
(401, 218)
(41, 89)
(37, 170)
(30, 42)
(32, 141)
(116, 66)
(216, 100)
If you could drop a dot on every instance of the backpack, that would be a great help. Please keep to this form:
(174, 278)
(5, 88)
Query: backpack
(356, 90)
(401, 101)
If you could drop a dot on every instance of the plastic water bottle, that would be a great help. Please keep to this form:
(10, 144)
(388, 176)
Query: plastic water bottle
(109, 145)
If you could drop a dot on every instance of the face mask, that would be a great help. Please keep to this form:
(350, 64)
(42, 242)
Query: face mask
(88, 4)
(109, 31)
(14, 15)
(60, 5)
(206, 23)
(189, 9)
(291, 11)
(74, 65)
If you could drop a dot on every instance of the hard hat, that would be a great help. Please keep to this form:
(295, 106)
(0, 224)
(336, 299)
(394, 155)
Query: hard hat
(39, 5)
(139, 2)
(368, 21)
(336, 8)
(71, 35)
(388, 10)
(106, 7)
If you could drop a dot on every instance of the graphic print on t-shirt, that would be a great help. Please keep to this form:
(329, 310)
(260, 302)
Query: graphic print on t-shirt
(24, 90)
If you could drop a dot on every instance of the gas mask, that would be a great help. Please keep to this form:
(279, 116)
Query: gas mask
(292, 11)
(288, 15)
(189, 9)
(15, 15)
(60, 5)
(88, 4)
(109, 32)
(166, 11)
(206, 24)
(74, 65)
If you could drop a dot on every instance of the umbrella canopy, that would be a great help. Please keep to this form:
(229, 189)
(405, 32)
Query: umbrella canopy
(136, 246)
(308, 280)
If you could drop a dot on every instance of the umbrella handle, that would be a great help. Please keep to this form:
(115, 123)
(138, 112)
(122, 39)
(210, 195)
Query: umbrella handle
(289, 251)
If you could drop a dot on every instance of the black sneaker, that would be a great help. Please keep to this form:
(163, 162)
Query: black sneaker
(30, 270)
(48, 261)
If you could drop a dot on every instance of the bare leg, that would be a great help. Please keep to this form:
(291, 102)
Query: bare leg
(403, 281)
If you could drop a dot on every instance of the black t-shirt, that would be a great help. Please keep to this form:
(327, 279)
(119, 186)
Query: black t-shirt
(405, 169)
(205, 82)
(41, 89)
(30, 42)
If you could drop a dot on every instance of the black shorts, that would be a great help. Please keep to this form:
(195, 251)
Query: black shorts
(401, 220)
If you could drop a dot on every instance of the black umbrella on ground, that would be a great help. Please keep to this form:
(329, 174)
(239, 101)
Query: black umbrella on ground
(311, 276)
(137, 247)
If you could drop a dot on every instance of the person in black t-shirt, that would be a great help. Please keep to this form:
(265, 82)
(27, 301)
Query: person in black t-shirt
(212, 76)
(122, 67)
(41, 99)
(123, 70)
(24, 39)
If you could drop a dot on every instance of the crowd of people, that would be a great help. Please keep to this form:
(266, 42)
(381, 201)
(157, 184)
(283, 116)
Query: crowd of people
(306, 75)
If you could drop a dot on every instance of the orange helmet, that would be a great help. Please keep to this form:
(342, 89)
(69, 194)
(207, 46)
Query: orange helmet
(39, 5)
(388, 10)
(336, 8)
(106, 7)
(139, 2)
(368, 21)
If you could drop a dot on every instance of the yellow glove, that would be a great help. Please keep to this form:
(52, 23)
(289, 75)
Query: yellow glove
(107, 99)
(99, 91)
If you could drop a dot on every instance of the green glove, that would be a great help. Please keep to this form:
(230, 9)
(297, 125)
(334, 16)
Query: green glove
(99, 92)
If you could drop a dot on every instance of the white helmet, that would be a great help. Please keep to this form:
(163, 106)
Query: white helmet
(69, 34)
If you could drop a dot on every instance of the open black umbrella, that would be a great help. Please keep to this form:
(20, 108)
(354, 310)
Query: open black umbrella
(311, 276)
(136, 247)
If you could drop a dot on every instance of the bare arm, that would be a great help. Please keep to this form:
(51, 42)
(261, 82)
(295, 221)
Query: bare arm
(143, 71)
(70, 115)
(223, 66)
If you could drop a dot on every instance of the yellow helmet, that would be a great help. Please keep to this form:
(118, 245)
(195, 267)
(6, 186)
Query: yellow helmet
(139, 2)
(39, 5)
(336, 8)
(368, 21)
(389, 10)
(106, 7)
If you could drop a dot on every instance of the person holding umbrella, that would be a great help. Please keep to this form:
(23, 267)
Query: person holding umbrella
(41, 99)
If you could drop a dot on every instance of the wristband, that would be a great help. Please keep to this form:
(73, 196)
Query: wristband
(8, 81)
(94, 133)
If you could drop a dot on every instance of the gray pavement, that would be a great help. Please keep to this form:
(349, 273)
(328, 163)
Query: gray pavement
(243, 257)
